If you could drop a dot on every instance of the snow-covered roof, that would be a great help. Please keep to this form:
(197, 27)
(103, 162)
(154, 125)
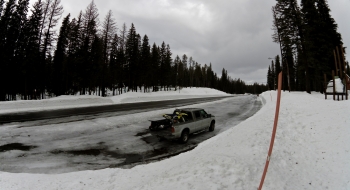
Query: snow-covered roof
(339, 87)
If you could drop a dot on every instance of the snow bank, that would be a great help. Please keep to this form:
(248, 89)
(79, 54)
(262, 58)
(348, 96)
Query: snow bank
(167, 95)
(311, 152)
(62, 102)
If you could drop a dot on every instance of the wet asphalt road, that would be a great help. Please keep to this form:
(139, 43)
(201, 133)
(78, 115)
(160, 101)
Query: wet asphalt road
(95, 110)
(105, 140)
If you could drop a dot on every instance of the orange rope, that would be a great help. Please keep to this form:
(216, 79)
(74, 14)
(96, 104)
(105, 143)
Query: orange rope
(273, 131)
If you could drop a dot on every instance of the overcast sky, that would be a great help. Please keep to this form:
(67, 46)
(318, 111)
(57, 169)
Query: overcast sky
(231, 34)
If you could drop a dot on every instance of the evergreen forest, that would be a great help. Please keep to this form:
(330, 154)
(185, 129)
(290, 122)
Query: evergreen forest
(89, 56)
(310, 45)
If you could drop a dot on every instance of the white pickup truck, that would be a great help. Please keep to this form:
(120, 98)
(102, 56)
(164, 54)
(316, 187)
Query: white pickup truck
(192, 120)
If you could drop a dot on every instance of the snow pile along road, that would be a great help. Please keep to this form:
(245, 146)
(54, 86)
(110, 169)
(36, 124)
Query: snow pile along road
(312, 151)
(66, 101)
(167, 95)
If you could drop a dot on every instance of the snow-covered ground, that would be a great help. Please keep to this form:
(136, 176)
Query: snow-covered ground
(312, 151)
(91, 100)
(82, 143)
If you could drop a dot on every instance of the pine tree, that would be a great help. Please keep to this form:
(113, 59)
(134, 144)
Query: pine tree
(277, 71)
(15, 45)
(123, 37)
(122, 74)
(300, 74)
(176, 72)
(310, 18)
(33, 66)
(59, 60)
(197, 75)
(321, 37)
(74, 55)
(286, 27)
(96, 65)
(45, 9)
(203, 79)
(191, 71)
(269, 81)
(145, 63)
(21, 43)
(223, 80)
(288, 67)
(54, 14)
(132, 56)
(75, 36)
(88, 59)
(185, 75)
(52, 17)
(211, 78)
(138, 72)
(114, 67)
(108, 32)
(181, 72)
(163, 72)
(5, 57)
(155, 64)
(273, 76)
(328, 39)
(168, 65)
(90, 24)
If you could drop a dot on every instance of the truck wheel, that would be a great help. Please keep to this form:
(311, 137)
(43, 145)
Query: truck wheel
(212, 126)
(184, 136)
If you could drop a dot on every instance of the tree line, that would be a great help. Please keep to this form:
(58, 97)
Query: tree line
(307, 35)
(88, 56)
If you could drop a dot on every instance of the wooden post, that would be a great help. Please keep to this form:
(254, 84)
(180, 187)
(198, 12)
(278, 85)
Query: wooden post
(336, 63)
(346, 90)
(345, 76)
(333, 85)
(325, 85)
(346, 86)
(340, 67)
(342, 53)
(273, 131)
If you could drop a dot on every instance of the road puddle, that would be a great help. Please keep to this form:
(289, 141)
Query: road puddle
(15, 146)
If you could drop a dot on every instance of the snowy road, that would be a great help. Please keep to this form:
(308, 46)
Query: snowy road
(78, 143)
(114, 110)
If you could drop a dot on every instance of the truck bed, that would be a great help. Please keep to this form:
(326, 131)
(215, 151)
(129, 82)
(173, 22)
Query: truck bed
(182, 123)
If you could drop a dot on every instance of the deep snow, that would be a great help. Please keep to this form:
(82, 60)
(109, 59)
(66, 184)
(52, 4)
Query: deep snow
(311, 152)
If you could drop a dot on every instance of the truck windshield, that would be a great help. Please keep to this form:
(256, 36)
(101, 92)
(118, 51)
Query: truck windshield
(203, 114)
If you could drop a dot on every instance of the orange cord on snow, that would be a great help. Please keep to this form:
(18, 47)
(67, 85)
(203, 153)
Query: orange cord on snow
(274, 130)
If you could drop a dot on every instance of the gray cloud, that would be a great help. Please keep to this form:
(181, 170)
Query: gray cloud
(235, 35)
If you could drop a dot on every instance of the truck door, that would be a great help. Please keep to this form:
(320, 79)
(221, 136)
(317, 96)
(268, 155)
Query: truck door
(206, 120)
(199, 120)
